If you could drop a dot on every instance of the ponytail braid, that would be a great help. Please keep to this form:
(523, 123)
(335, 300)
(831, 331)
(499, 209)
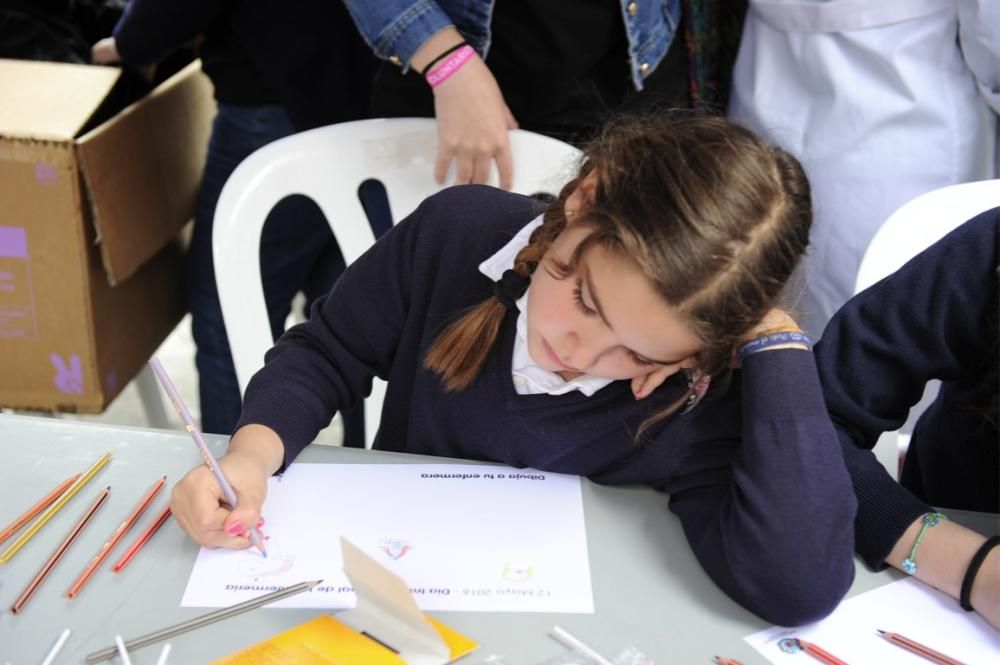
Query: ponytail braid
(459, 352)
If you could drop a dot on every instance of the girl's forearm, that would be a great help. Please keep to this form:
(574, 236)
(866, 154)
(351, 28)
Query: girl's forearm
(942, 559)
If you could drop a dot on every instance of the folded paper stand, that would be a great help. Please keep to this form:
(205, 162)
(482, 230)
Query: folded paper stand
(386, 627)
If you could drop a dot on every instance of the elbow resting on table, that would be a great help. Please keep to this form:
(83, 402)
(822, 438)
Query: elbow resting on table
(810, 595)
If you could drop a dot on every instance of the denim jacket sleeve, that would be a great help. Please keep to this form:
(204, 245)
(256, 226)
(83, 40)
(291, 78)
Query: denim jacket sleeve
(395, 29)
(651, 26)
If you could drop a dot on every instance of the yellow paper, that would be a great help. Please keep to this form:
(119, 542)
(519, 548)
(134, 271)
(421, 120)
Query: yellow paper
(326, 641)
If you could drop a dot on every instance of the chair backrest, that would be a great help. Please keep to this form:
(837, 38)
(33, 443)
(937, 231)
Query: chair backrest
(919, 223)
(328, 165)
(912, 228)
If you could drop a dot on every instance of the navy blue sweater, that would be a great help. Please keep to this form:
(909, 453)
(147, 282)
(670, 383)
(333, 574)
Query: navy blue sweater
(935, 318)
(306, 56)
(756, 474)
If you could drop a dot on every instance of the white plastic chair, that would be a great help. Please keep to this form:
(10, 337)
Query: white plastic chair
(328, 165)
(919, 223)
(912, 228)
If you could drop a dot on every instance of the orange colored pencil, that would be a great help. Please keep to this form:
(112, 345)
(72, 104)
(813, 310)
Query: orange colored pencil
(38, 507)
(116, 537)
(722, 660)
(141, 540)
(59, 551)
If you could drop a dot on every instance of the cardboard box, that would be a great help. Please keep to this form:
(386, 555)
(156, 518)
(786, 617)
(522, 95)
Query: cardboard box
(90, 266)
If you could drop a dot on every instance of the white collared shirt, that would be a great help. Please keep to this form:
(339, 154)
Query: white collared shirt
(528, 377)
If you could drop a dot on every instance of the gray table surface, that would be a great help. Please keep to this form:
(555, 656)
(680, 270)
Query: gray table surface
(649, 591)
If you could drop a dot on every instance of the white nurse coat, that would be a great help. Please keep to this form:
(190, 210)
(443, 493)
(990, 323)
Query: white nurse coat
(881, 100)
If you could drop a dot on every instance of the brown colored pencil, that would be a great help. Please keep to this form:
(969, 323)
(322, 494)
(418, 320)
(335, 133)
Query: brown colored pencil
(59, 551)
(38, 507)
(116, 537)
(722, 660)
(918, 648)
(141, 540)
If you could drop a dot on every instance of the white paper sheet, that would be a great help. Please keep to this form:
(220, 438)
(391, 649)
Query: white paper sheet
(907, 607)
(471, 538)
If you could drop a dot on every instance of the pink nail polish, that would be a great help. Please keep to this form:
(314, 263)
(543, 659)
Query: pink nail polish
(260, 522)
(235, 529)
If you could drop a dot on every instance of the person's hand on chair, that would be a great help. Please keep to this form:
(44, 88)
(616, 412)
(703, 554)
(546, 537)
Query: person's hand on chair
(472, 116)
(473, 121)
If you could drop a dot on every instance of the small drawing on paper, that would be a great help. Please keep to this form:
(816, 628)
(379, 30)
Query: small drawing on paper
(254, 566)
(517, 573)
(395, 548)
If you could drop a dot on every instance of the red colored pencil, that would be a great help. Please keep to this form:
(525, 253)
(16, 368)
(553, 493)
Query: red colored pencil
(37, 508)
(141, 540)
(116, 537)
(819, 653)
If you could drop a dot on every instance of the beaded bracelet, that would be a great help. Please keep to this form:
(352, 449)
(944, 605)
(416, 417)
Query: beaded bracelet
(927, 521)
(970, 572)
(773, 339)
(446, 52)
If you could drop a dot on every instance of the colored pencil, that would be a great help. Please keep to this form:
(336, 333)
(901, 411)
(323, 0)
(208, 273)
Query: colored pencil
(37, 508)
(722, 660)
(54, 651)
(206, 454)
(116, 537)
(561, 635)
(42, 519)
(162, 660)
(203, 620)
(819, 653)
(122, 651)
(918, 648)
(59, 551)
(141, 540)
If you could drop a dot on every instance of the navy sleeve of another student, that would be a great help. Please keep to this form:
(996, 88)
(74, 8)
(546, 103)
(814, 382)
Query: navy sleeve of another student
(778, 535)
(150, 29)
(929, 320)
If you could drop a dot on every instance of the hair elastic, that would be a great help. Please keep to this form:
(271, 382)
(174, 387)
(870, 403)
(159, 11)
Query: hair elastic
(449, 66)
(447, 51)
(970, 572)
(930, 519)
(510, 287)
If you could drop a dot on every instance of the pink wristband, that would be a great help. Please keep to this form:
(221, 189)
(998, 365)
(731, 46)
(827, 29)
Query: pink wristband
(449, 66)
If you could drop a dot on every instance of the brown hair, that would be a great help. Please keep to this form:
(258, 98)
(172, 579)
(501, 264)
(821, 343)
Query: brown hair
(714, 217)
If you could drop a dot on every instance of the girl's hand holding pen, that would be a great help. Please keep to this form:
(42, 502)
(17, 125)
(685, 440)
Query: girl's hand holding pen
(198, 503)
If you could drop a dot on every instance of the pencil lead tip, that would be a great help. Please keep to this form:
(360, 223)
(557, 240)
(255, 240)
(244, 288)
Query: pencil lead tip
(880, 631)
(314, 583)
